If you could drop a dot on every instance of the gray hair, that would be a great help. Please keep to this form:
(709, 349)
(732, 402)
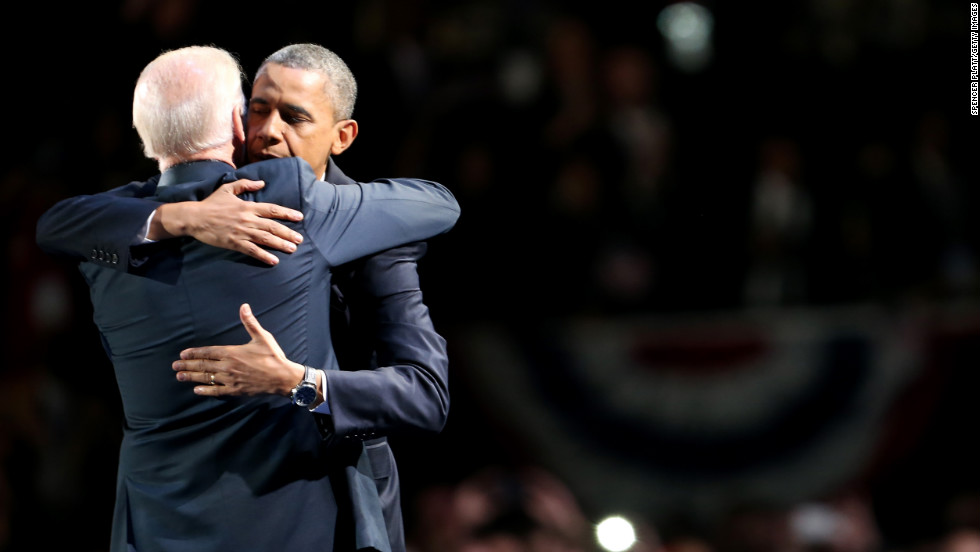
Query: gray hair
(184, 101)
(341, 87)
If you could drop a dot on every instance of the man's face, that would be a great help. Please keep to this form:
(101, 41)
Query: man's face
(290, 115)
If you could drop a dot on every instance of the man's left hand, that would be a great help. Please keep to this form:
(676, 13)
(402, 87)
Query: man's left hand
(255, 368)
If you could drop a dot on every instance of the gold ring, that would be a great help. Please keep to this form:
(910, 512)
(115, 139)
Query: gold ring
(212, 378)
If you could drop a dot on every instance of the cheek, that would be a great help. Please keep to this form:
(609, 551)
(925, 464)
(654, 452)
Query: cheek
(294, 143)
(327, 139)
(314, 142)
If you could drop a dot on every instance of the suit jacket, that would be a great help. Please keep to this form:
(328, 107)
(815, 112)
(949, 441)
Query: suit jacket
(248, 472)
(379, 319)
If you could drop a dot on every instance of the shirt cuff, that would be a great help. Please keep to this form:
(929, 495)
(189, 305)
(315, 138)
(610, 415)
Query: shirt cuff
(324, 407)
(141, 236)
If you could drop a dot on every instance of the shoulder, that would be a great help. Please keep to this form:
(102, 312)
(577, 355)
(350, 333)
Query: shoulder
(285, 168)
(289, 181)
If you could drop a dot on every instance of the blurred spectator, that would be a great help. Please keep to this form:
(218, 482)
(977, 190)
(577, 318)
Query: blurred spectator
(571, 63)
(841, 524)
(640, 133)
(963, 510)
(501, 509)
(638, 124)
(754, 528)
(781, 222)
(961, 540)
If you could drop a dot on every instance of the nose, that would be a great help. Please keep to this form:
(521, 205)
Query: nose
(270, 129)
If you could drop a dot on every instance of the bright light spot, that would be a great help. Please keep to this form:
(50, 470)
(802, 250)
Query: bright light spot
(687, 27)
(615, 534)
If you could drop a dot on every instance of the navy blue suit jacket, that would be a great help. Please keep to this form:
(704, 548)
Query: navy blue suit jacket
(201, 471)
(380, 322)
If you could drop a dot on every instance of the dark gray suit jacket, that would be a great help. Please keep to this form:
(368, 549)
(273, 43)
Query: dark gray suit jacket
(249, 473)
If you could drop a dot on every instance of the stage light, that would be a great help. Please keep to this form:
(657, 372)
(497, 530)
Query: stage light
(687, 28)
(615, 534)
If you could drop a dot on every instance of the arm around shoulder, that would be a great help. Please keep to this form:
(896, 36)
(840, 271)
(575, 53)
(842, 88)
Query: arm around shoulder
(98, 228)
(353, 221)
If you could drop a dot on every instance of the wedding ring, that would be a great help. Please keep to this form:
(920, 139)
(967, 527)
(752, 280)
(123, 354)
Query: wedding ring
(212, 378)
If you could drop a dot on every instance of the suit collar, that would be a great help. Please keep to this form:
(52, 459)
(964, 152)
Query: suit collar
(193, 180)
(335, 175)
(193, 170)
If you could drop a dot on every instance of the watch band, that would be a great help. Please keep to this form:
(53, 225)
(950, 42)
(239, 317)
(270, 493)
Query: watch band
(305, 392)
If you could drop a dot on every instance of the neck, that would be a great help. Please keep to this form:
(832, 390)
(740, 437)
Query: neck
(225, 153)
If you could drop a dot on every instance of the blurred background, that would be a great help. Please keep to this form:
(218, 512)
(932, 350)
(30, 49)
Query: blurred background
(716, 271)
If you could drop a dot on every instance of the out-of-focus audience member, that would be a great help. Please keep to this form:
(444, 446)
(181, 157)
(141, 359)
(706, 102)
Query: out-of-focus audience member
(781, 222)
(841, 524)
(501, 510)
(961, 540)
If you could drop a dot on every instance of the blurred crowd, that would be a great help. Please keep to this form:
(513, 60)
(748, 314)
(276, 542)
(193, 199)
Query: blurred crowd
(822, 157)
(527, 509)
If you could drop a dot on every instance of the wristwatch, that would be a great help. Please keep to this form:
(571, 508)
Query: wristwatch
(305, 391)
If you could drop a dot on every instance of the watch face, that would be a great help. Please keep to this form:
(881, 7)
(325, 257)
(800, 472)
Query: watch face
(305, 395)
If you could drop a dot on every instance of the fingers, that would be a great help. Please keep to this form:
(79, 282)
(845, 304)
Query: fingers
(255, 252)
(204, 374)
(208, 383)
(279, 230)
(251, 323)
(198, 371)
(274, 234)
(271, 210)
(264, 210)
(192, 374)
(211, 390)
(241, 186)
(268, 233)
(212, 354)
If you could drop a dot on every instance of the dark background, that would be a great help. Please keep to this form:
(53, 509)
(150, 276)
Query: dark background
(862, 105)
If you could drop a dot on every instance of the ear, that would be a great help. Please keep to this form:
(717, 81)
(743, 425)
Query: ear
(345, 132)
(238, 126)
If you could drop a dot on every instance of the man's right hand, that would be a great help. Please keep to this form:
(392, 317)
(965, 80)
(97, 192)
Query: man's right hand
(227, 221)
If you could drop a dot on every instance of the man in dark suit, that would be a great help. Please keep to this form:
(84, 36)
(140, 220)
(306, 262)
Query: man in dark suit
(251, 471)
(301, 105)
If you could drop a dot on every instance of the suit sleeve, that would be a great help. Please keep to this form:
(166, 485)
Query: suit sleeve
(410, 387)
(350, 221)
(99, 228)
